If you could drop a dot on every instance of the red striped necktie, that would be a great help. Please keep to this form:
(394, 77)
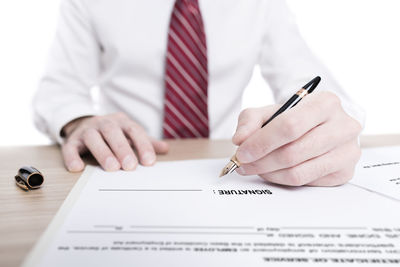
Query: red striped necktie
(186, 74)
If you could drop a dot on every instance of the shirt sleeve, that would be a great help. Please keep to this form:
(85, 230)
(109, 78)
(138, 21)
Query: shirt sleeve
(286, 61)
(64, 92)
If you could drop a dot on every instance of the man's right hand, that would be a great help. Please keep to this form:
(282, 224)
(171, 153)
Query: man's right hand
(109, 139)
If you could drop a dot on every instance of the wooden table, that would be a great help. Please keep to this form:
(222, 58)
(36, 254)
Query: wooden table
(25, 215)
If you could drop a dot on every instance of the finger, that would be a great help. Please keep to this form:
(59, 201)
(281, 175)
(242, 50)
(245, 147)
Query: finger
(317, 142)
(288, 126)
(142, 143)
(72, 159)
(100, 150)
(160, 147)
(118, 143)
(334, 179)
(340, 158)
(251, 120)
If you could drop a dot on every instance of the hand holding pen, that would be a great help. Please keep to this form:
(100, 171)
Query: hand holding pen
(314, 143)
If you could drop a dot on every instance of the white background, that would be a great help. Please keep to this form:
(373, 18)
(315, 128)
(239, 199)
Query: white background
(359, 40)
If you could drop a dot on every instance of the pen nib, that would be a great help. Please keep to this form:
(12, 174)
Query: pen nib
(230, 167)
(224, 171)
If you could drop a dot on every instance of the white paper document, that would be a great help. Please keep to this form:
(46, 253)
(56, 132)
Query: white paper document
(379, 171)
(181, 214)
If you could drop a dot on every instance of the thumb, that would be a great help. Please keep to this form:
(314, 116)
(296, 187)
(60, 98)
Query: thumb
(250, 120)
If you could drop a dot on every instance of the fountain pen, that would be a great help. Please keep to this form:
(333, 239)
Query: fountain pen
(293, 101)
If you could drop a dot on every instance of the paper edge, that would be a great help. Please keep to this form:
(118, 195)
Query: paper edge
(380, 147)
(355, 182)
(37, 252)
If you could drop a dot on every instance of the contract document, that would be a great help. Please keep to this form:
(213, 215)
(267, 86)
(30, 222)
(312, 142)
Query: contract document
(379, 171)
(181, 214)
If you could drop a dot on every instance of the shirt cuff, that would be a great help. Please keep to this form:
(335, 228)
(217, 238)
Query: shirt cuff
(65, 115)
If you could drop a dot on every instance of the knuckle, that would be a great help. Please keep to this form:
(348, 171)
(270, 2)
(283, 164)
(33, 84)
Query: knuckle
(70, 141)
(288, 156)
(140, 128)
(331, 99)
(96, 119)
(290, 128)
(88, 133)
(135, 129)
(131, 130)
(67, 146)
(355, 127)
(120, 115)
(108, 127)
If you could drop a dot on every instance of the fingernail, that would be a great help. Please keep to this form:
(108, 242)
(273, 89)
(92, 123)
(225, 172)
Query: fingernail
(148, 159)
(112, 164)
(244, 156)
(128, 163)
(75, 166)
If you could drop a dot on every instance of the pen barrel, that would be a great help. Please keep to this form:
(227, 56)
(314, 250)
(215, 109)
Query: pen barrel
(289, 104)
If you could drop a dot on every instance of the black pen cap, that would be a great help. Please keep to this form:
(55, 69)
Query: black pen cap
(29, 178)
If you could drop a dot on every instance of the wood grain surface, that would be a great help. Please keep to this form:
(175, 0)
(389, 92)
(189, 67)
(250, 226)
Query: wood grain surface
(25, 215)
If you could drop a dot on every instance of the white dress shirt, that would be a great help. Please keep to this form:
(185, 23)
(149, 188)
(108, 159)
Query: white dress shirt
(120, 46)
